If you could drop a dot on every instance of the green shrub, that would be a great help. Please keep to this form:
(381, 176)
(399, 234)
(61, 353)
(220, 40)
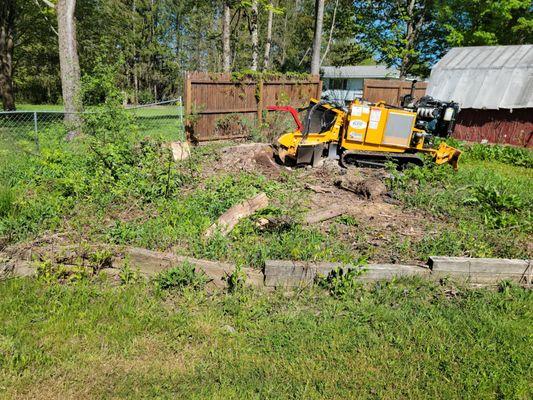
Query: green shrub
(498, 207)
(128, 275)
(341, 282)
(51, 272)
(518, 156)
(179, 277)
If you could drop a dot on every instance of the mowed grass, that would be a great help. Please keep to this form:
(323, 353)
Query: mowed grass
(39, 107)
(407, 339)
(164, 121)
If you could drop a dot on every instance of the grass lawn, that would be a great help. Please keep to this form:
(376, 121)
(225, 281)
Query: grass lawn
(408, 339)
(164, 121)
(40, 107)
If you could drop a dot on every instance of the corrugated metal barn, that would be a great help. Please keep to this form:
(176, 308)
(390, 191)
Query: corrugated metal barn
(494, 86)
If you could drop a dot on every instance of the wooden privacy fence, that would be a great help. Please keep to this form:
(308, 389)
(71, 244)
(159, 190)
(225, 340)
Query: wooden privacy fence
(391, 91)
(220, 106)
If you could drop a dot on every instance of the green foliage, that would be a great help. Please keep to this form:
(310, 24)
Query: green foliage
(100, 85)
(180, 277)
(499, 207)
(251, 75)
(487, 22)
(341, 282)
(7, 201)
(129, 275)
(51, 272)
(511, 155)
(348, 220)
(236, 280)
(383, 27)
(486, 205)
(110, 164)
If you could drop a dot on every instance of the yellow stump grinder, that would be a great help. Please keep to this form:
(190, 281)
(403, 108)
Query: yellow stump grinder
(370, 134)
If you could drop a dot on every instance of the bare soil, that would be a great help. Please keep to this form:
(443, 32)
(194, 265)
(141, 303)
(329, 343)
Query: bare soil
(361, 192)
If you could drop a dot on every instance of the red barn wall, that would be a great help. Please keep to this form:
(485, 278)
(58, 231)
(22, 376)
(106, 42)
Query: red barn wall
(496, 126)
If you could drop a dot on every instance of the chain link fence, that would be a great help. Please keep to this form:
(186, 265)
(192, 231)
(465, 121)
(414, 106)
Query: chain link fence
(164, 119)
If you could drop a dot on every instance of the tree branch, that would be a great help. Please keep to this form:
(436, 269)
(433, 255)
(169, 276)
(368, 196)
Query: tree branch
(49, 3)
(330, 32)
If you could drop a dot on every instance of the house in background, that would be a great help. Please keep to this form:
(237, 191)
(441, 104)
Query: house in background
(494, 87)
(346, 83)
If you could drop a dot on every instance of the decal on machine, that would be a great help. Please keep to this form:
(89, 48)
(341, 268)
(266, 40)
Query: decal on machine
(375, 116)
(358, 124)
(357, 111)
(356, 136)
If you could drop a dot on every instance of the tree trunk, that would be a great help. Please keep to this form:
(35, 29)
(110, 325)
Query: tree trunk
(268, 42)
(7, 24)
(330, 32)
(68, 62)
(226, 30)
(317, 39)
(254, 33)
(413, 28)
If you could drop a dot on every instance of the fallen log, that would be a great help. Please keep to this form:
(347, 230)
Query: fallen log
(323, 215)
(482, 271)
(227, 221)
(300, 273)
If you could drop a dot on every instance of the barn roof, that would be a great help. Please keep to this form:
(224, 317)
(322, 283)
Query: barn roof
(360, 71)
(488, 77)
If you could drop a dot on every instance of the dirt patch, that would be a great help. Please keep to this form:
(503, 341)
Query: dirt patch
(248, 157)
(361, 192)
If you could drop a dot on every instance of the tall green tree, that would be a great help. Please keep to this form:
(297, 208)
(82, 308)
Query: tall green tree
(487, 22)
(402, 33)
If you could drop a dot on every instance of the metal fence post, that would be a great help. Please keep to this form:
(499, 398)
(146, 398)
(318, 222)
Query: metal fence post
(35, 128)
(181, 119)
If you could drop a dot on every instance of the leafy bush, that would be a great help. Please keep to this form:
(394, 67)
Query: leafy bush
(179, 277)
(498, 207)
(340, 282)
(521, 157)
(128, 275)
(51, 272)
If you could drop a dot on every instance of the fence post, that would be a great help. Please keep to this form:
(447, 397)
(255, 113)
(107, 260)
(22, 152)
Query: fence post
(180, 110)
(35, 128)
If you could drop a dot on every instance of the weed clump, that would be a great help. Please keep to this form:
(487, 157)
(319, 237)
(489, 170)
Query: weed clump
(180, 277)
(341, 282)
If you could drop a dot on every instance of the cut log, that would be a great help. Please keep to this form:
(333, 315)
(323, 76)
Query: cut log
(300, 273)
(227, 221)
(151, 263)
(482, 271)
(323, 215)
